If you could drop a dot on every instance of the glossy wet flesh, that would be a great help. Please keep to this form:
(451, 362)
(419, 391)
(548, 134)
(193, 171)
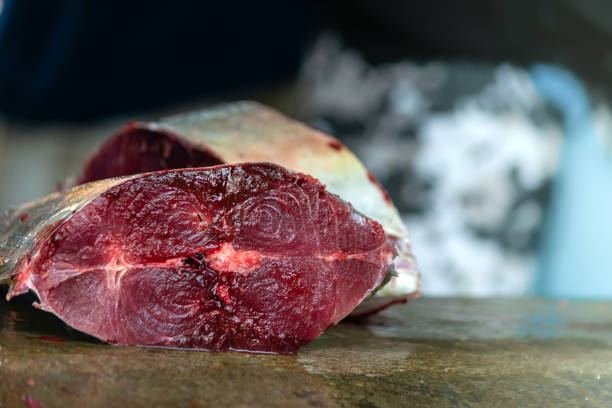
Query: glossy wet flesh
(244, 257)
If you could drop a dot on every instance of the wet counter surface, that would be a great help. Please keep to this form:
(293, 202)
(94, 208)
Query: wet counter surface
(431, 352)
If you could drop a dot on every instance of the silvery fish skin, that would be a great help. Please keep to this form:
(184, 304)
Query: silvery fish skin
(250, 132)
(24, 227)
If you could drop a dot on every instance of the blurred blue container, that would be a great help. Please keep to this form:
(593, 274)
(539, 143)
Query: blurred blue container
(575, 257)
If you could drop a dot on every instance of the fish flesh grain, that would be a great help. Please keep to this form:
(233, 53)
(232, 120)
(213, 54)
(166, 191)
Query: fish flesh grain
(249, 257)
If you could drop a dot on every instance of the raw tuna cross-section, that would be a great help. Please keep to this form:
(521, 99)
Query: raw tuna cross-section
(244, 257)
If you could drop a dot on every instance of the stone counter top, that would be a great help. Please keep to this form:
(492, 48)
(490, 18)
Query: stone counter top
(431, 352)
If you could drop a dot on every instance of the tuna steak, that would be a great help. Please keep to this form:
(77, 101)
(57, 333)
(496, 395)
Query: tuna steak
(248, 257)
(250, 132)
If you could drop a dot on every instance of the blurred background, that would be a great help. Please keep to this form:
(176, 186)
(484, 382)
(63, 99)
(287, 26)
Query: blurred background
(489, 122)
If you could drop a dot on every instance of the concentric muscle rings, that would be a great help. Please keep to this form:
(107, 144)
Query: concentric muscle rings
(275, 219)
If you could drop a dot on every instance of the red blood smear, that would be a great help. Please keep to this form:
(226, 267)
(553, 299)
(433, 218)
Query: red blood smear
(31, 402)
(336, 145)
(380, 187)
(243, 257)
(51, 338)
(380, 304)
(24, 217)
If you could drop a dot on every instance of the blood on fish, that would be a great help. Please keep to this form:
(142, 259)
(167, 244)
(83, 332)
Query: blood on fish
(384, 192)
(48, 338)
(335, 144)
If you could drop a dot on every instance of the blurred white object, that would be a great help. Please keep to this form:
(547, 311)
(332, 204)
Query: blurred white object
(476, 158)
(466, 150)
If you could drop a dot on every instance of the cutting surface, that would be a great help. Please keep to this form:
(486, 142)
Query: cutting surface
(442, 352)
